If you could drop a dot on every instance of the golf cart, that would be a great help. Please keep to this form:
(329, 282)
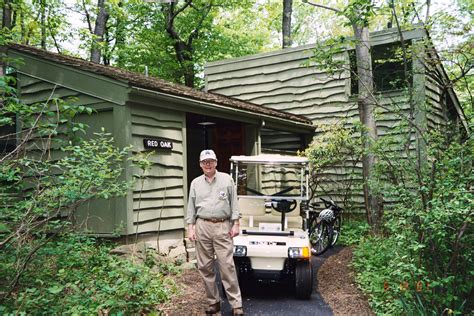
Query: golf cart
(273, 245)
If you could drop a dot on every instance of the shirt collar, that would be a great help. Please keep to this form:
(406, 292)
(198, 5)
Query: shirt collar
(213, 178)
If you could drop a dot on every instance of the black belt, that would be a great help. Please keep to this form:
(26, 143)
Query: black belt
(214, 220)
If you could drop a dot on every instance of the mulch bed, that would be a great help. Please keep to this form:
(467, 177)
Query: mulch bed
(191, 300)
(337, 286)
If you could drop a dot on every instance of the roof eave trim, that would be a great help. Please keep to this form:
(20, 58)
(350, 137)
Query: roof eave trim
(268, 119)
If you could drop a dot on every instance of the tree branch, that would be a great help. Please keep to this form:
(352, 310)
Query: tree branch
(322, 6)
(172, 15)
(88, 17)
(195, 33)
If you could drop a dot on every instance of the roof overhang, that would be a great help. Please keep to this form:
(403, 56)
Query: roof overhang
(186, 104)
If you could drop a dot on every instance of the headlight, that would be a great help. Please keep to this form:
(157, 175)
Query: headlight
(240, 251)
(298, 252)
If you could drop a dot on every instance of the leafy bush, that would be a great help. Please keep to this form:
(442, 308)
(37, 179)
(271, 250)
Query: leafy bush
(336, 151)
(422, 261)
(425, 262)
(77, 275)
(353, 231)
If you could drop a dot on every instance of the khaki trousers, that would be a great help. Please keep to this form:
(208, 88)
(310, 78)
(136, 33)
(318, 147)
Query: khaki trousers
(213, 238)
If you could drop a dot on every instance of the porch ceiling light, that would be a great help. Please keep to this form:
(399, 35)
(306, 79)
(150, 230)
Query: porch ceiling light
(206, 123)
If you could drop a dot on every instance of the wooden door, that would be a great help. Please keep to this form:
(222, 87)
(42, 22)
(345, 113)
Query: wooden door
(229, 140)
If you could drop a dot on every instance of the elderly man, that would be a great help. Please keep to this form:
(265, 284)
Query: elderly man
(213, 220)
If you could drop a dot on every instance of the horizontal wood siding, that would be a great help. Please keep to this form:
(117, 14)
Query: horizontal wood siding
(435, 106)
(284, 81)
(158, 198)
(96, 216)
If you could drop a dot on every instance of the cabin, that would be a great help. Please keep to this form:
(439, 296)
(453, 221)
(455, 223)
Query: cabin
(288, 80)
(172, 121)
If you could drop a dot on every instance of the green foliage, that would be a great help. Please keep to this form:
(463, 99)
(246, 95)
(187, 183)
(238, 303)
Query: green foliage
(37, 21)
(42, 183)
(75, 274)
(227, 31)
(336, 150)
(328, 56)
(359, 12)
(422, 262)
(353, 231)
(425, 262)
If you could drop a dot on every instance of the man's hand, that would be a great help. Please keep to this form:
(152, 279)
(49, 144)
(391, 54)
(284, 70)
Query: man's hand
(235, 230)
(192, 232)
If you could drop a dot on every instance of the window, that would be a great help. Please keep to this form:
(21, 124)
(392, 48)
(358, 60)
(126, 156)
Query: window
(7, 138)
(8, 131)
(387, 66)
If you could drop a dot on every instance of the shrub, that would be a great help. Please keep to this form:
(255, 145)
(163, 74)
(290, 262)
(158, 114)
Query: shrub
(424, 263)
(353, 231)
(75, 274)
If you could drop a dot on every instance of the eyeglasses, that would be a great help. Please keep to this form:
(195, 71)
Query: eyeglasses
(208, 162)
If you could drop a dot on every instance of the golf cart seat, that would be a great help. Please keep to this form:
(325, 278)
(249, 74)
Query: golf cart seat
(253, 212)
(249, 209)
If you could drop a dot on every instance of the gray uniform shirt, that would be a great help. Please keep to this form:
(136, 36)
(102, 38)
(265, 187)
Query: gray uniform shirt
(217, 199)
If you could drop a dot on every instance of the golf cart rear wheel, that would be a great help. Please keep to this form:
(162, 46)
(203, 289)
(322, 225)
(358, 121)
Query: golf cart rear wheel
(303, 280)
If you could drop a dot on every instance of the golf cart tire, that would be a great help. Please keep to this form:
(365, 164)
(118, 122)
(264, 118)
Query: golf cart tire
(303, 280)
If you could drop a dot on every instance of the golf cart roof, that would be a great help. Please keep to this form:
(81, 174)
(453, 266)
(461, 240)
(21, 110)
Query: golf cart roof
(270, 159)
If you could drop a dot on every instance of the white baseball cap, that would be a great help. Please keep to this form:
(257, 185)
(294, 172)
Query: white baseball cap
(207, 154)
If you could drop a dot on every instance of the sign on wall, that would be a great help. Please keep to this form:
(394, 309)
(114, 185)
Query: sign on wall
(156, 143)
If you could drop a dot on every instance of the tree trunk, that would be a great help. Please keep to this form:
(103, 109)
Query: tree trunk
(366, 102)
(43, 23)
(184, 54)
(286, 25)
(184, 50)
(6, 23)
(99, 30)
(7, 15)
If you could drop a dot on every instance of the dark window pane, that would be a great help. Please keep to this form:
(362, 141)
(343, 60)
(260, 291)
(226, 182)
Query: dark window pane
(8, 131)
(390, 70)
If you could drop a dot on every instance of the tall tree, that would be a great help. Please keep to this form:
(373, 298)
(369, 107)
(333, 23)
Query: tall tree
(230, 29)
(358, 14)
(43, 23)
(7, 14)
(99, 31)
(6, 24)
(286, 25)
(183, 44)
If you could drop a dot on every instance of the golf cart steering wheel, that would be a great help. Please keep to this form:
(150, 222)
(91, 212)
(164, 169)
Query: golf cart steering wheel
(284, 206)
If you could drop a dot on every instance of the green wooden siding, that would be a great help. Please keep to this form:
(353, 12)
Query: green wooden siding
(158, 200)
(75, 79)
(99, 216)
(283, 80)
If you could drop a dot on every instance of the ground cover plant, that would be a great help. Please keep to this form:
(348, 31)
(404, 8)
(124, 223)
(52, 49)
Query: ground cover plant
(76, 274)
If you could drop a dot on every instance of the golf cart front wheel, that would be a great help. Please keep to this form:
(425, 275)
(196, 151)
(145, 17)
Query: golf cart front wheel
(303, 279)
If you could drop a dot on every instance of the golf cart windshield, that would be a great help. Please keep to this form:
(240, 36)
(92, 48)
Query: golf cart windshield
(271, 177)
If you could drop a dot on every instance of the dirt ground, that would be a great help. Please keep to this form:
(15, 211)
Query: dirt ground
(335, 284)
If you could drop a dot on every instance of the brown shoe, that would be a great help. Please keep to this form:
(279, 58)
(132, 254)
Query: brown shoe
(237, 311)
(213, 309)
